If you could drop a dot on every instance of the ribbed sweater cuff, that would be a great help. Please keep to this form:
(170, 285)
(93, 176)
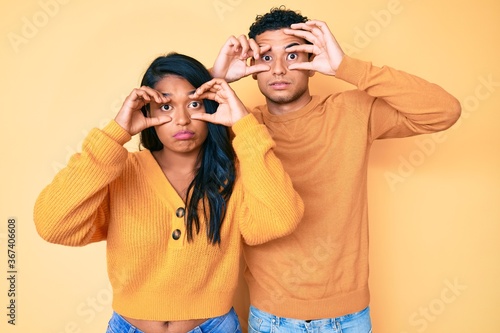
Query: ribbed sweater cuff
(244, 123)
(352, 70)
(106, 146)
(116, 132)
(252, 138)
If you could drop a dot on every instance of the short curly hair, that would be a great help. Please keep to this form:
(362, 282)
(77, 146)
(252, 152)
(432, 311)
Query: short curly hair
(277, 18)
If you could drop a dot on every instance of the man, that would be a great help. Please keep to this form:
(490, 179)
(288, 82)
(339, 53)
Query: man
(317, 277)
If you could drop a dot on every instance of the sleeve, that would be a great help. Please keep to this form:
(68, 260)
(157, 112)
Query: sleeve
(271, 208)
(401, 104)
(74, 208)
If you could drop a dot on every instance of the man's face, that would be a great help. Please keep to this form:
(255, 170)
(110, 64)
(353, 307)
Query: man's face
(285, 90)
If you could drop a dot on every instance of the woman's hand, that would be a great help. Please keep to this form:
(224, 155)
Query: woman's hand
(130, 116)
(230, 109)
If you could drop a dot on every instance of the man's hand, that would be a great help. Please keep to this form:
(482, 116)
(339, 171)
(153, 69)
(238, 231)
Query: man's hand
(327, 54)
(232, 63)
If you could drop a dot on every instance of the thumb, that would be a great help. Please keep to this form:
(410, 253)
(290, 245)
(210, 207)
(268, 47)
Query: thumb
(257, 69)
(205, 117)
(308, 66)
(155, 121)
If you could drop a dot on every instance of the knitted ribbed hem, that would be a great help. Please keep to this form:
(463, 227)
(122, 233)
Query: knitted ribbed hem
(172, 306)
(252, 138)
(244, 123)
(332, 307)
(116, 132)
(107, 151)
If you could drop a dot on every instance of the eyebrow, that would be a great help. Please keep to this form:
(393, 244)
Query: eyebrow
(292, 44)
(286, 47)
(169, 94)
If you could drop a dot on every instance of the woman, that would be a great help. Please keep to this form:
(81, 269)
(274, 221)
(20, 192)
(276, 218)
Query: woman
(173, 215)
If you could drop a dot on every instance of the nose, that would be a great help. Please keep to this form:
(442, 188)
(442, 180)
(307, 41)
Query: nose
(279, 67)
(182, 117)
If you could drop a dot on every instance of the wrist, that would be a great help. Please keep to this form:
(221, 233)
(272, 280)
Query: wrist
(116, 131)
(123, 124)
(243, 123)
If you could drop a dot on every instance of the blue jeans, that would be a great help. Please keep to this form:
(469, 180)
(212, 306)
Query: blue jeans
(263, 322)
(227, 323)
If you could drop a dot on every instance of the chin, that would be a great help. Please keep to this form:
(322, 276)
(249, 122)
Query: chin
(281, 99)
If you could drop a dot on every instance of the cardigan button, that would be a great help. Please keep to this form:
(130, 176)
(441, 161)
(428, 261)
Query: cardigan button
(176, 234)
(180, 212)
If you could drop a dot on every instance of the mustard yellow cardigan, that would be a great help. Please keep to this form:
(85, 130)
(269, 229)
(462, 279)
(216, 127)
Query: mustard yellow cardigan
(107, 193)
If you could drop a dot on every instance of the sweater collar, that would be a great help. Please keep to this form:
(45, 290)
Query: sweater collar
(157, 180)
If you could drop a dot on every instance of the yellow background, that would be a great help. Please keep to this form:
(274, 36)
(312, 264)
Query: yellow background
(434, 200)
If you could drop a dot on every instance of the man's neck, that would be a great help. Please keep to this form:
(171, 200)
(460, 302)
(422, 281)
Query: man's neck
(285, 108)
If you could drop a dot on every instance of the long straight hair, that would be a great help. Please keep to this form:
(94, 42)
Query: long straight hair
(213, 183)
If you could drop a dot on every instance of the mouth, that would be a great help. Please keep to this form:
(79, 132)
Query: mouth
(279, 85)
(183, 135)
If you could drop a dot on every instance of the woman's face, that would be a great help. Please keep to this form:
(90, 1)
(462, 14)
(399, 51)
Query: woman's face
(182, 134)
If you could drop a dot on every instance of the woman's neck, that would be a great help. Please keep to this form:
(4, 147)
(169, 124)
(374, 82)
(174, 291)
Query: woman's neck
(178, 168)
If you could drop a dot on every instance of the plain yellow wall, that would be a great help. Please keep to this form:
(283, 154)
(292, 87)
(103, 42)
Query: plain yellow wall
(434, 200)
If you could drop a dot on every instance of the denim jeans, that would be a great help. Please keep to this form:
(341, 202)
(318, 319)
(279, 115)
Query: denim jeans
(227, 323)
(263, 322)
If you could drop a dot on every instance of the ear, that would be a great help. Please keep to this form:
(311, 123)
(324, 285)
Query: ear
(311, 73)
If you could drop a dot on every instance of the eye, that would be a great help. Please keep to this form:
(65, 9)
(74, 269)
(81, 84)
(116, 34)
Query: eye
(292, 56)
(166, 107)
(267, 58)
(195, 105)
